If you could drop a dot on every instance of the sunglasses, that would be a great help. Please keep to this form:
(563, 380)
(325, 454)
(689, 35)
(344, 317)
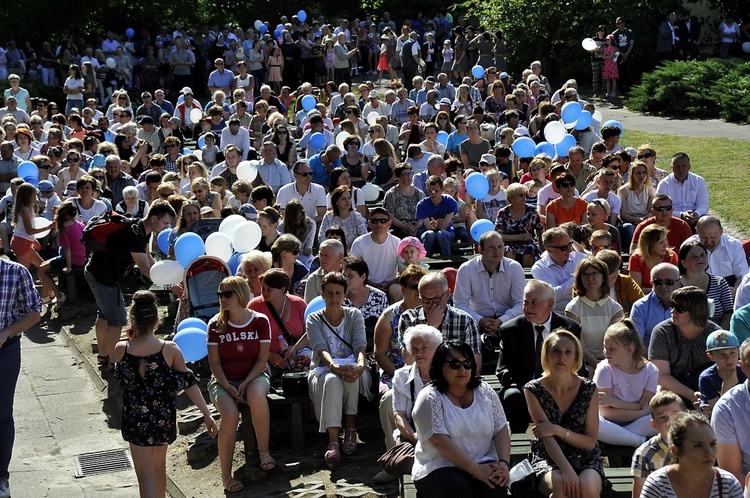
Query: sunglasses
(354, 143)
(662, 208)
(379, 221)
(562, 248)
(283, 132)
(295, 251)
(599, 248)
(304, 174)
(645, 155)
(565, 184)
(99, 177)
(679, 308)
(455, 364)
(225, 294)
(406, 173)
(44, 166)
(74, 160)
(115, 115)
(164, 196)
(373, 131)
(664, 281)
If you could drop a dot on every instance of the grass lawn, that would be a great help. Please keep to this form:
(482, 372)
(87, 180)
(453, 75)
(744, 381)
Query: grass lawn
(722, 162)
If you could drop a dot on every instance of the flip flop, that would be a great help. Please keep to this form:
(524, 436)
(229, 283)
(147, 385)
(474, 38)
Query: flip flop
(266, 461)
(332, 456)
(233, 486)
(350, 441)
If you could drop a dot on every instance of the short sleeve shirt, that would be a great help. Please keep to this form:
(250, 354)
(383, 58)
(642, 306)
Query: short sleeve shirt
(239, 345)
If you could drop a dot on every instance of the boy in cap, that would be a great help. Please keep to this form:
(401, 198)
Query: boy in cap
(723, 348)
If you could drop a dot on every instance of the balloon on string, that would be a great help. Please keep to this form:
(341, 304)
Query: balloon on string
(246, 236)
(188, 247)
(554, 132)
(479, 227)
(192, 343)
(258, 23)
(234, 262)
(308, 102)
(47, 125)
(302, 16)
(442, 137)
(247, 170)
(111, 63)
(477, 185)
(201, 141)
(372, 118)
(27, 168)
(589, 44)
(277, 33)
(32, 180)
(192, 322)
(198, 154)
(746, 47)
(584, 120)
(343, 135)
(316, 304)
(162, 240)
(477, 71)
(280, 27)
(263, 28)
(195, 115)
(186, 151)
(613, 122)
(130, 32)
(230, 223)
(99, 160)
(167, 273)
(219, 245)
(563, 147)
(180, 99)
(570, 112)
(318, 140)
(597, 115)
(545, 148)
(371, 192)
(40, 222)
(524, 147)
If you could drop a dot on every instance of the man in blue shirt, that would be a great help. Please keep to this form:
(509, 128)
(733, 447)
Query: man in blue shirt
(322, 164)
(435, 213)
(220, 79)
(653, 308)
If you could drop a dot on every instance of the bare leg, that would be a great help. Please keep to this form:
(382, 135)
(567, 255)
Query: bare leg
(230, 419)
(143, 461)
(258, 403)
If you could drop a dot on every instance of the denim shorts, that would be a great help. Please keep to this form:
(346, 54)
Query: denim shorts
(215, 391)
(109, 301)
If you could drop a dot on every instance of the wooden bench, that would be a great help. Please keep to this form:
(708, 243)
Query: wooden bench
(296, 404)
(69, 282)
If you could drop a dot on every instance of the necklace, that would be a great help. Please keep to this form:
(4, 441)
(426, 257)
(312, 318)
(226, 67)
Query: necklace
(283, 307)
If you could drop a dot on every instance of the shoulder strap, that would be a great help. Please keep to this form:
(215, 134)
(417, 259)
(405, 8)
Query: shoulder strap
(719, 482)
(289, 338)
(336, 334)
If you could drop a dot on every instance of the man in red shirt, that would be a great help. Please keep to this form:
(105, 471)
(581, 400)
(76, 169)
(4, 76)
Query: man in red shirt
(677, 230)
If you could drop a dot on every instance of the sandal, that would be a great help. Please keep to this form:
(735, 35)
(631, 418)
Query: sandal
(233, 485)
(102, 361)
(332, 456)
(266, 461)
(350, 441)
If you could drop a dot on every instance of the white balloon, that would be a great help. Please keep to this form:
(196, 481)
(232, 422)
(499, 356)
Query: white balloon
(372, 118)
(554, 132)
(371, 192)
(230, 223)
(246, 236)
(40, 222)
(167, 273)
(196, 115)
(597, 115)
(219, 245)
(589, 44)
(198, 153)
(340, 140)
(247, 170)
(47, 125)
(257, 24)
(111, 63)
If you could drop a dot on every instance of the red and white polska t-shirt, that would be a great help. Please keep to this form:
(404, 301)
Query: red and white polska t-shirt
(239, 345)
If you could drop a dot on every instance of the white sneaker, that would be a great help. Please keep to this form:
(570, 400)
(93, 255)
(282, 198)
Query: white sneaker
(4, 488)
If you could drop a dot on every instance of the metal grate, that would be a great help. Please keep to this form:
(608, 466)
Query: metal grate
(102, 462)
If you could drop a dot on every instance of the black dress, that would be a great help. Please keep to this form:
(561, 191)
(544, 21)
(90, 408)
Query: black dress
(149, 414)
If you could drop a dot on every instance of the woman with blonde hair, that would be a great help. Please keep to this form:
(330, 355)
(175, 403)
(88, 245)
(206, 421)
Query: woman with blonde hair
(636, 197)
(252, 265)
(652, 250)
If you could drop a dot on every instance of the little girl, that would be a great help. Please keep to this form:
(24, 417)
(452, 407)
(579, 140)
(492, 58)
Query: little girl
(219, 185)
(383, 60)
(72, 251)
(447, 57)
(275, 68)
(610, 73)
(412, 252)
(209, 151)
(151, 373)
(23, 243)
(626, 384)
(330, 60)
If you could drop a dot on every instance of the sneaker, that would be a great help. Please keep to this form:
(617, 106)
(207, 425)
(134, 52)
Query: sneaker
(384, 477)
(4, 488)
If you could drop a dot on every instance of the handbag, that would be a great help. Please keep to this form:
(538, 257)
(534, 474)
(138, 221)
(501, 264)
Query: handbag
(399, 460)
(521, 479)
(294, 383)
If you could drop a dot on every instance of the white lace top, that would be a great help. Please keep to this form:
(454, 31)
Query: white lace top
(472, 429)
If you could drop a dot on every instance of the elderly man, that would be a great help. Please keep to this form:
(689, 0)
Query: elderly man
(161, 101)
(444, 88)
(331, 255)
(379, 249)
(220, 79)
(578, 168)
(117, 179)
(311, 195)
(521, 346)
(557, 265)
(11, 107)
(726, 257)
(342, 55)
(8, 164)
(490, 286)
(452, 323)
(399, 110)
(435, 167)
(653, 308)
(374, 105)
(273, 100)
(687, 190)
(236, 135)
(184, 109)
(274, 173)
(678, 231)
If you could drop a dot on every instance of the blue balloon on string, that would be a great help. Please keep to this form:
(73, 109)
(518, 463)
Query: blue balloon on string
(162, 240)
(201, 141)
(308, 102)
(570, 112)
(234, 262)
(192, 343)
(188, 247)
(612, 122)
(545, 148)
(180, 99)
(263, 28)
(477, 185)
(302, 16)
(477, 71)
(563, 147)
(318, 140)
(130, 32)
(32, 180)
(523, 147)
(584, 120)
(99, 161)
(277, 33)
(479, 227)
(27, 168)
(192, 322)
(442, 137)
(315, 305)
(186, 151)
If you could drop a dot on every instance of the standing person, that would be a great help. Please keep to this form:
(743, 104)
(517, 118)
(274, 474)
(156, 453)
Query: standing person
(73, 88)
(610, 73)
(624, 41)
(597, 63)
(341, 62)
(20, 309)
(151, 372)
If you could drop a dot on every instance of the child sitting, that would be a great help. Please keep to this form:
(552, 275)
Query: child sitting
(495, 200)
(723, 348)
(599, 241)
(533, 187)
(412, 252)
(465, 213)
(209, 151)
(650, 456)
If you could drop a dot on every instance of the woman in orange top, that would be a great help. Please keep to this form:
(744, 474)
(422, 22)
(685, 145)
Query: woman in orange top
(652, 250)
(568, 207)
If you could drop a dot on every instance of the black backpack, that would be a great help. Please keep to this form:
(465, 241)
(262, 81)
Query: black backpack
(98, 229)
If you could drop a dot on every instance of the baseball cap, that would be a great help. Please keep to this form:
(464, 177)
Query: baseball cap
(445, 101)
(488, 158)
(373, 94)
(146, 120)
(186, 89)
(249, 211)
(721, 339)
(71, 185)
(521, 131)
(46, 186)
(431, 79)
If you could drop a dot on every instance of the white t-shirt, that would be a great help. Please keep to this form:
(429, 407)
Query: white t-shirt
(84, 215)
(381, 259)
(314, 197)
(73, 84)
(614, 202)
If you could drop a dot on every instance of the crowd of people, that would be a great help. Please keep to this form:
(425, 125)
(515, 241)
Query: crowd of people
(352, 191)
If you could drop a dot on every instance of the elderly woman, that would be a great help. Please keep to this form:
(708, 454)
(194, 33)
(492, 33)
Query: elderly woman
(131, 205)
(463, 438)
(284, 254)
(518, 222)
(565, 411)
(337, 369)
(252, 265)
(678, 345)
(239, 340)
(693, 265)
(87, 205)
(342, 214)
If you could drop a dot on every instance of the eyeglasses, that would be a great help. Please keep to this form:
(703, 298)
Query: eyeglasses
(295, 251)
(662, 208)
(170, 146)
(304, 174)
(373, 131)
(379, 221)
(74, 160)
(354, 143)
(590, 274)
(537, 168)
(562, 248)
(455, 364)
(679, 308)
(645, 155)
(663, 281)
(599, 248)
(565, 184)
(350, 112)
(225, 294)
(122, 98)
(433, 300)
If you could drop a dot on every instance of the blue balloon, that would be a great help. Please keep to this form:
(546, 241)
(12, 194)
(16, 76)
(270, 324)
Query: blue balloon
(478, 72)
(477, 185)
(545, 148)
(584, 120)
(563, 147)
(130, 32)
(162, 240)
(192, 322)
(186, 151)
(612, 122)
(27, 168)
(479, 227)
(570, 112)
(180, 99)
(188, 247)
(524, 147)
(32, 180)
(99, 160)
(302, 16)
(201, 142)
(192, 343)
(318, 140)
(315, 305)
(308, 102)
(277, 33)
(442, 137)
(263, 28)
(234, 262)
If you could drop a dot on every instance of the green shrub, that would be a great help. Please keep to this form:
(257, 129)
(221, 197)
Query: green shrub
(695, 89)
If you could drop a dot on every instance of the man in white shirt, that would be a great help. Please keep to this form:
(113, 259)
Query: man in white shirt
(687, 190)
(606, 180)
(726, 257)
(557, 265)
(374, 105)
(379, 249)
(311, 195)
(273, 172)
(489, 287)
(234, 134)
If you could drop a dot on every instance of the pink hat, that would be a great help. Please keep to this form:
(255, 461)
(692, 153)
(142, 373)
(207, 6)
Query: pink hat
(412, 241)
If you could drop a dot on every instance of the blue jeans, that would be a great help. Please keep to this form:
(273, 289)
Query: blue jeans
(10, 367)
(71, 104)
(442, 238)
(626, 236)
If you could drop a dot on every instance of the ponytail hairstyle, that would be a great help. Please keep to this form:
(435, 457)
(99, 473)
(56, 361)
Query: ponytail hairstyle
(626, 334)
(65, 211)
(144, 314)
